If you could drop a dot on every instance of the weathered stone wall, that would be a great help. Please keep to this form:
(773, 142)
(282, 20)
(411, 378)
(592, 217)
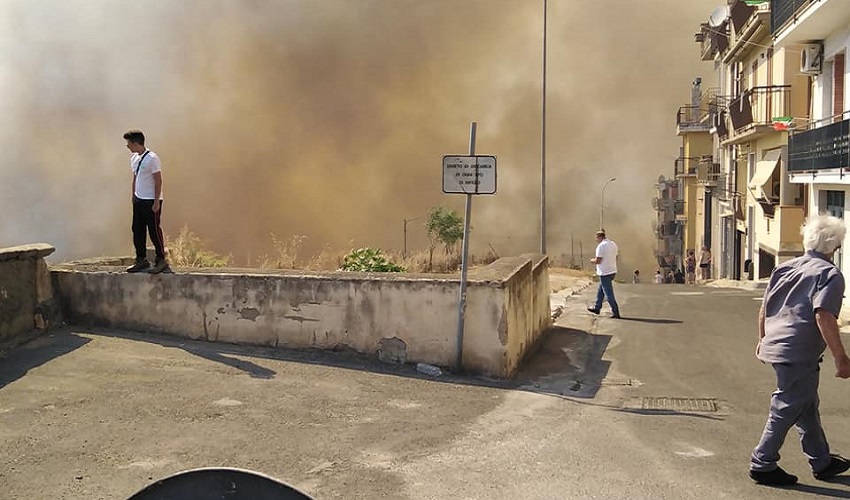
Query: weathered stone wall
(405, 317)
(27, 306)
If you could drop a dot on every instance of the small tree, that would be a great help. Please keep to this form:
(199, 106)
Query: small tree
(444, 226)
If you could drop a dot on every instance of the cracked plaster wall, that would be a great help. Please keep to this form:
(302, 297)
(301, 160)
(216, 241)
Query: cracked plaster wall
(326, 311)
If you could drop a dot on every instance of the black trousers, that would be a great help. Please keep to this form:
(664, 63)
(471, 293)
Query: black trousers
(146, 221)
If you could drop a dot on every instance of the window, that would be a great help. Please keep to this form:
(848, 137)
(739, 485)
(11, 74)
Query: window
(835, 206)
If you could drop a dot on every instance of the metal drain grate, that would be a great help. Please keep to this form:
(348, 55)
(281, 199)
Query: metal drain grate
(684, 405)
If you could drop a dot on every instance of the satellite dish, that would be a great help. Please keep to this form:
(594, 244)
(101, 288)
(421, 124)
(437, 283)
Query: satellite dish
(718, 17)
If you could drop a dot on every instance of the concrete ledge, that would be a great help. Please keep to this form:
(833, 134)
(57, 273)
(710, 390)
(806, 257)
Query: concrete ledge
(26, 252)
(27, 306)
(402, 318)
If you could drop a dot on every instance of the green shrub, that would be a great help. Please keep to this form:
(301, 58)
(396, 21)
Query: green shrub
(369, 260)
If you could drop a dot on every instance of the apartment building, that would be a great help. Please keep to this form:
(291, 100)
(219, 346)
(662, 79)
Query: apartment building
(745, 207)
(696, 173)
(816, 33)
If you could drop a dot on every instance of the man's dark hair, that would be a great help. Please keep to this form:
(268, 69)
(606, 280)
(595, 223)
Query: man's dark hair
(135, 136)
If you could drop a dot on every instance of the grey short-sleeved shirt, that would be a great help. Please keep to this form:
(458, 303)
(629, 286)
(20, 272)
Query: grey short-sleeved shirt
(796, 290)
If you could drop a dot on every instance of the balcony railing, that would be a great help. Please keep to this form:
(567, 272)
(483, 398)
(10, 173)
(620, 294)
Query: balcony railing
(708, 173)
(820, 148)
(759, 105)
(783, 10)
(686, 166)
(698, 115)
(662, 204)
(690, 116)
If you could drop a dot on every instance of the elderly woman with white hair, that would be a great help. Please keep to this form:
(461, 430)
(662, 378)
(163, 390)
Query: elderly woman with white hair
(798, 320)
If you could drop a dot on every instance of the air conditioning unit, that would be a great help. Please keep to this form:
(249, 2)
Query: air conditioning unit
(811, 59)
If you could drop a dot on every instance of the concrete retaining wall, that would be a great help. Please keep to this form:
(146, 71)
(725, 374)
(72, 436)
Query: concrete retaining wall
(406, 317)
(27, 306)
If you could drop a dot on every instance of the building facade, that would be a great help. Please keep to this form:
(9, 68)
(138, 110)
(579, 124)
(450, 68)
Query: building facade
(817, 34)
(775, 147)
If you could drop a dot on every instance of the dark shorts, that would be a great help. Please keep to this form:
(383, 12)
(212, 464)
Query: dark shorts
(704, 266)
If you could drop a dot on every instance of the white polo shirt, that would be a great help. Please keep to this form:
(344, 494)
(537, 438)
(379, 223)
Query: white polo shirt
(145, 188)
(606, 249)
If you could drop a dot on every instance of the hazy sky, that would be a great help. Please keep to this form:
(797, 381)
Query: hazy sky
(329, 118)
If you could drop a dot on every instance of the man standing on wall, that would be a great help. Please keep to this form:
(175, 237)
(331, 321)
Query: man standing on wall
(606, 268)
(147, 203)
(798, 320)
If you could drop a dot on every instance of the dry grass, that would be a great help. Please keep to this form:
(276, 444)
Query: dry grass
(189, 250)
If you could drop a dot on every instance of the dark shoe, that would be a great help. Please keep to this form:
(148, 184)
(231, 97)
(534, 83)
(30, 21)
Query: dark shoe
(139, 266)
(836, 466)
(616, 316)
(594, 311)
(776, 477)
(159, 267)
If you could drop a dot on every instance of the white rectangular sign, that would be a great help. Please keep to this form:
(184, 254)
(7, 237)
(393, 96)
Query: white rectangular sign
(469, 174)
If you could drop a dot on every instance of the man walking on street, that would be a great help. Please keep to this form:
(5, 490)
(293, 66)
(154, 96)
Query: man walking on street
(606, 268)
(147, 203)
(797, 322)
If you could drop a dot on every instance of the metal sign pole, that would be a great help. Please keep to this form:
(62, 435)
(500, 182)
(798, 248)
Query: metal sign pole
(461, 308)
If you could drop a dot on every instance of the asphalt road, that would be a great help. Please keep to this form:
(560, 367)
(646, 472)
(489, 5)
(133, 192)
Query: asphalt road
(666, 403)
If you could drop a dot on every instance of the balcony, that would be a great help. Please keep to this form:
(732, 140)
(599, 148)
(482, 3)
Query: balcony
(686, 166)
(748, 23)
(708, 173)
(821, 148)
(662, 204)
(692, 119)
(668, 229)
(712, 41)
(753, 111)
(800, 21)
(697, 117)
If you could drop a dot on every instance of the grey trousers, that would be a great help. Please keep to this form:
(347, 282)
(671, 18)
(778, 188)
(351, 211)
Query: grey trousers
(794, 403)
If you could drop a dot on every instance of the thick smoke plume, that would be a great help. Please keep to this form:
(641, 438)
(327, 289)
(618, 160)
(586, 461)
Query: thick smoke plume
(328, 118)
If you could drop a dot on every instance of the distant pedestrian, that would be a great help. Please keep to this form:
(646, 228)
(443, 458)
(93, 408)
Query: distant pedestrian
(147, 203)
(797, 322)
(636, 276)
(659, 278)
(606, 269)
(705, 263)
(690, 268)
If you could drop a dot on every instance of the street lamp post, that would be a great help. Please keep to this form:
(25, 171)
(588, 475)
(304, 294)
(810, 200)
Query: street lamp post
(543, 141)
(602, 204)
(404, 252)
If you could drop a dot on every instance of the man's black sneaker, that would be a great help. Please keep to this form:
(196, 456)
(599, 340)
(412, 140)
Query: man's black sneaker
(159, 267)
(139, 266)
(594, 311)
(836, 466)
(776, 477)
(616, 316)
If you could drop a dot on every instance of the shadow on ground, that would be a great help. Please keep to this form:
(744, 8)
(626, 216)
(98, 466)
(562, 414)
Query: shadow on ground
(567, 362)
(17, 362)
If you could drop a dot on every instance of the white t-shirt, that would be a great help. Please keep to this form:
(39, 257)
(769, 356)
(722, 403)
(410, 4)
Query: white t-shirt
(145, 188)
(606, 249)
